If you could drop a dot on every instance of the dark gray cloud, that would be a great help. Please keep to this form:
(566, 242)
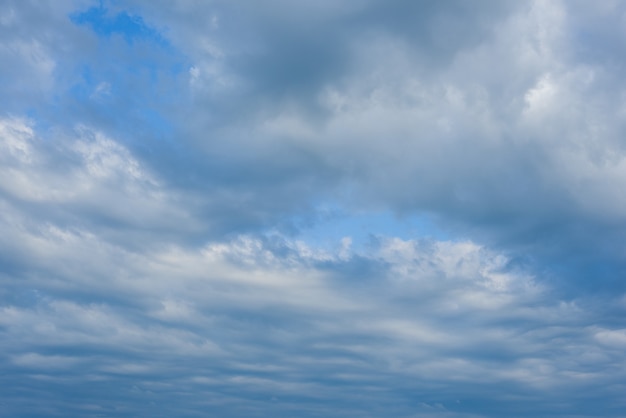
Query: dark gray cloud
(504, 127)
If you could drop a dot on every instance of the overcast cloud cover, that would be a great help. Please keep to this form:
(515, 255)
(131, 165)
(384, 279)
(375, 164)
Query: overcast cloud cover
(364, 208)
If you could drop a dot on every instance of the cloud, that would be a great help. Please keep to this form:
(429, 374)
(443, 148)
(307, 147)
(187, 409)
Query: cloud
(167, 170)
(509, 134)
(264, 323)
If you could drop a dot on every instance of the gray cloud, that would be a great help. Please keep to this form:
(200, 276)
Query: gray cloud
(511, 133)
(94, 325)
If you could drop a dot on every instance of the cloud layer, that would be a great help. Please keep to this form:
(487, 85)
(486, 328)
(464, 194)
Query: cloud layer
(205, 209)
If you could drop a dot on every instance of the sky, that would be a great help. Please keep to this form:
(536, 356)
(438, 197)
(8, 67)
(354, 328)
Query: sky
(312, 208)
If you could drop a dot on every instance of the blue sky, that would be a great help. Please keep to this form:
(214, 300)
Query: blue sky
(312, 209)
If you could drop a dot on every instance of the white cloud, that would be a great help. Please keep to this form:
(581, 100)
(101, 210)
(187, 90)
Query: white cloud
(85, 171)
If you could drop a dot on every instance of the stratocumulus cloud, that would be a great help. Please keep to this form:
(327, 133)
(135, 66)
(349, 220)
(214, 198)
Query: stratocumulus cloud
(315, 208)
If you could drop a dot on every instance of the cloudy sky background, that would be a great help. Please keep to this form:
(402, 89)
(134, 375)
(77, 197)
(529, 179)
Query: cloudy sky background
(312, 208)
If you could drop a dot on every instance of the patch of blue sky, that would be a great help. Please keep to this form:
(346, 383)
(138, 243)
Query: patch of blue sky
(335, 223)
(130, 27)
(131, 97)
